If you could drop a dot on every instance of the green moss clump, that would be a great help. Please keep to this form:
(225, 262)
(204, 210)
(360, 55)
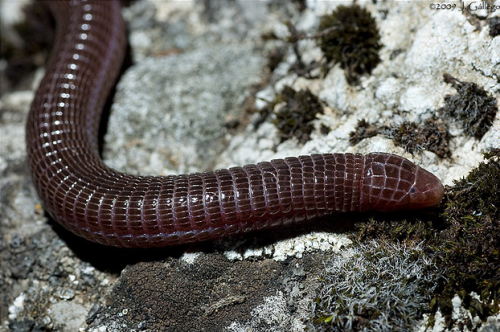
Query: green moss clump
(477, 197)
(275, 57)
(494, 23)
(431, 135)
(295, 118)
(363, 130)
(472, 106)
(349, 36)
(471, 240)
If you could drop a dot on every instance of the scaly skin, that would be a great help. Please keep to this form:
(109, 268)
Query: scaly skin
(113, 208)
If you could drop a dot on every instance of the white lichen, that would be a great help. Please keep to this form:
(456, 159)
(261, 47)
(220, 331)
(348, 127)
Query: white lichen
(374, 287)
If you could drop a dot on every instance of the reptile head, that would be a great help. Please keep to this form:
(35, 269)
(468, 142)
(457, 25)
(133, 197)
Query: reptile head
(394, 183)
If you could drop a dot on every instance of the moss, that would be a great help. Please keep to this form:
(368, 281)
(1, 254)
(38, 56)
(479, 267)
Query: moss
(462, 235)
(350, 37)
(363, 130)
(494, 23)
(477, 194)
(324, 130)
(472, 106)
(295, 118)
(471, 240)
(431, 135)
(275, 57)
